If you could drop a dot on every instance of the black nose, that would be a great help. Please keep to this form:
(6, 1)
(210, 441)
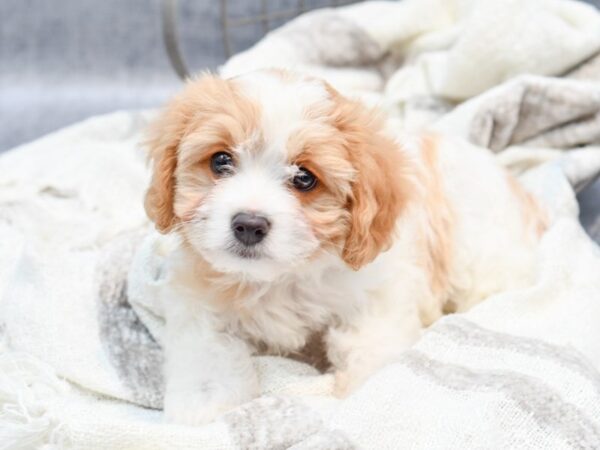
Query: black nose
(249, 228)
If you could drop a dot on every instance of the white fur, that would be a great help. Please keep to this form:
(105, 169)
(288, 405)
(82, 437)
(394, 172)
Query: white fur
(283, 105)
(258, 185)
(370, 316)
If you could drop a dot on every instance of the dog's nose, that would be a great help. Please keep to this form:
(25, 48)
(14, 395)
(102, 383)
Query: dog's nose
(249, 228)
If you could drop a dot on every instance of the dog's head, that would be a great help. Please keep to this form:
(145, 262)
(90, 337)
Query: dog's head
(265, 172)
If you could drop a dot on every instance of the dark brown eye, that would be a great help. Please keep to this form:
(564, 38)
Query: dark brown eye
(221, 163)
(304, 180)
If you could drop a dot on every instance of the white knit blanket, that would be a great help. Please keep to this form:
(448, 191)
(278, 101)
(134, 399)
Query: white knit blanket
(80, 367)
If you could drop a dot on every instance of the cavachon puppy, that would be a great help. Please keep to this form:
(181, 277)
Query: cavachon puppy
(301, 215)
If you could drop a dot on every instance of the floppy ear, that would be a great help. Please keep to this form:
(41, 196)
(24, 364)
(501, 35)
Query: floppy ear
(165, 135)
(381, 187)
(161, 193)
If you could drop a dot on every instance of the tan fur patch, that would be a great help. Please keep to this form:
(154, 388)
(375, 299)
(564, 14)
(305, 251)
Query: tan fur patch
(319, 148)
(362, 178)
(533, 215)
(437, 236)
(380, 189)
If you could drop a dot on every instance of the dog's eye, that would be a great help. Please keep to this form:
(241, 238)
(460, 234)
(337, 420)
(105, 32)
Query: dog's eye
(221, 163)
(304, 180)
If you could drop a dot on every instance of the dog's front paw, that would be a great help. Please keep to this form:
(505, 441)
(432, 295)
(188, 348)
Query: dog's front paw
(193, 408)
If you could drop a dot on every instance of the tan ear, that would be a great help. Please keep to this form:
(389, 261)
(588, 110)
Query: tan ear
(160, 196)
(165, 135)
(381, 187)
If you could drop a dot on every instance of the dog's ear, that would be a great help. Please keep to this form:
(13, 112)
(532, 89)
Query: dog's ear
(165, 135)
(378, 195)
(381, 187)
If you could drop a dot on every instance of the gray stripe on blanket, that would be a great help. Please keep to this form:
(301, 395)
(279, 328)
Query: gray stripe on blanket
(135, 356)
(281, 423)
(532, 396)
(465, 332)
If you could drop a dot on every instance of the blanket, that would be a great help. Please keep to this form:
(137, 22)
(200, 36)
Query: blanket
(80, 329)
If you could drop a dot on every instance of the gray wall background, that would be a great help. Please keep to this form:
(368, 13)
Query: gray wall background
(64, 60)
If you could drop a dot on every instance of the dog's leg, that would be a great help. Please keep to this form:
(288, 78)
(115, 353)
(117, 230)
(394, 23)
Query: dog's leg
(206, 372)
(372, 339)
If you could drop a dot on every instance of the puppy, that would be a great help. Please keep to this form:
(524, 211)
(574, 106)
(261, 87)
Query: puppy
(300, 214)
